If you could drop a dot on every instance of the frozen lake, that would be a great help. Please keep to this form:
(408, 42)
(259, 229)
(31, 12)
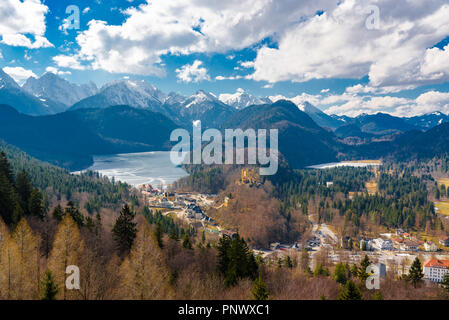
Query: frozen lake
(138, 168)
(356, 164)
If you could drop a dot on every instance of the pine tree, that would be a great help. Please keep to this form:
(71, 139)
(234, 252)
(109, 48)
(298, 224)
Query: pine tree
(349, 292)
(186, 243)
(68, 249)
(224, 245)
(24, 189)
(415, 273)
(35, 205)
(318, 270)
(340, 273)
(124, 230)
(354, 270)
(174, 234)
(73, 211)
(7, 200)
(288, 262)
(18, 212)
(259, 290)
(57, 213)
(364, 264)
(49, 287)
(144, 273)
(158, 235)
(5, 168)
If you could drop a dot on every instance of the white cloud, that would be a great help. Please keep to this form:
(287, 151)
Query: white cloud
(220, 78)
(325, 90)
(21, 19)
(72, 62)
(299, 99)
(1, 55)
(192, 72)
(352, 104)
(86, 10)
(57, 71)
(247, 64)
(19, 40)
(337, 44)
(160, 27)
(19, 74)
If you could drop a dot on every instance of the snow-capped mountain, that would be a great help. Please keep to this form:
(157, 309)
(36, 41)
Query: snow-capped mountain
(428, 121)
(203, 106)
(174, 98)
(12, 94)
(242, 99)
(51, 86)
(6, 82)
(322, 119)
(134, 93)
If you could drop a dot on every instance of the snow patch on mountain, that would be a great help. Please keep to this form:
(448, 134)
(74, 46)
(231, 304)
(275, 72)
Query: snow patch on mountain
(241, 99)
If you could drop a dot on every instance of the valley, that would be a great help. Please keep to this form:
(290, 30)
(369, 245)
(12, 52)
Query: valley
(347, 190)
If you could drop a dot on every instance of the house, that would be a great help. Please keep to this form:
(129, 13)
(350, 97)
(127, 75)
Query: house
(430, 247)
(169, 196)
(381, 244)
(409, 246)
(444, 241)
(346, 242)
(329, 184)
(435, 269)
(365, 245)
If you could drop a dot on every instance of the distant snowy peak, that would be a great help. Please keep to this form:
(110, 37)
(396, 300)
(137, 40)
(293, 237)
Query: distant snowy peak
(241, 99)
(174, 98)
(309, 108)
(137, 93)
(51, 86)
(201, 97)
(6, 82)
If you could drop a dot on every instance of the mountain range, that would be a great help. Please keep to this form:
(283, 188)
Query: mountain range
(11, 93)
(52, 87)
(51, 94)
(70, 139)
(133, 116)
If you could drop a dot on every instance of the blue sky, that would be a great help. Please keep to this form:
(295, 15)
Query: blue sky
(346, 57)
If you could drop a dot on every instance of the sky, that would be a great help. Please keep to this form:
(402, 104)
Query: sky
(344, 56)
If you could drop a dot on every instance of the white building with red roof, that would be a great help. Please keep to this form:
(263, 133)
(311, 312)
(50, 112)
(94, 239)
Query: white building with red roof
(435, 269)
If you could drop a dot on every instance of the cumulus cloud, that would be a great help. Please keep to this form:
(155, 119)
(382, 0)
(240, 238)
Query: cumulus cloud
(353, 104)
(161, 27)
(69, 61)
(19, 74)
(192, 72)
(22, 23)
(57, 71)
(337, 44)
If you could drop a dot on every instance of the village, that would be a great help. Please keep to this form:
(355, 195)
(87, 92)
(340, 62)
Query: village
(395, 250)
